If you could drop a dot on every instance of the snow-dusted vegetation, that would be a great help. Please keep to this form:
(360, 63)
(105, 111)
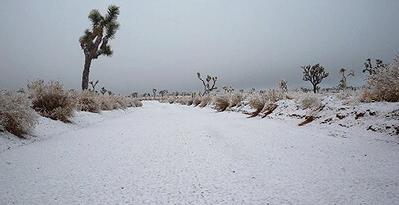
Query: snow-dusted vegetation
(206, 102)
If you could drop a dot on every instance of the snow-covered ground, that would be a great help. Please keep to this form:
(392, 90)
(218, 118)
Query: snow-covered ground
(173, 154)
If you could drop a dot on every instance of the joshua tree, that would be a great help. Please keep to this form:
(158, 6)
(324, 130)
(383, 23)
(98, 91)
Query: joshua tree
(93, 85)
(163, 92)
(368, 66)
(134, 95)
(314, 74)
(154, 91)
(94, 42)
(283, 85)
(342, 83)
(207, 87)
(103, 91)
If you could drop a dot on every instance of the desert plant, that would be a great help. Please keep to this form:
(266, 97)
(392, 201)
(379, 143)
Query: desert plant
(207, 85)
(314, 74)
(342, 83)
(309, 102)
(221, 103)
(205, 100)
(88, 101)
(257, 103)
(372, 69)
(93, 85)
(94, 42)
(383, 84)
(274, 95)
(235, 99)
(154, 92)
(196, 100)
(283, 85)
(16, 115)
(163, 92)
(51, 100)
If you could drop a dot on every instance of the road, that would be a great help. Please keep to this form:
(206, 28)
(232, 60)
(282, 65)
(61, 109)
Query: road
(172, 154)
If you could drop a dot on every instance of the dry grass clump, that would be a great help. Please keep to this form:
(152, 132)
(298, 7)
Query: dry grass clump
(222, 103)
(257, 103)
(205, 100)
(310, 101)
(88, 101)
(235, 99)
(51, 100)
(384, 84)
(16, 115)
(274, 95)
(196, 100)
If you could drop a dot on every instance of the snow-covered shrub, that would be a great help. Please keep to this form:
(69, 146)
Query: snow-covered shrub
(88, 101)
(51, 100)
(197, 100)
(222, 103)
(137, 103)
(257, 102)
(384, 84)
(16, 115)
(235, 99)
(205, 100)
(310, 101)
(274, 95)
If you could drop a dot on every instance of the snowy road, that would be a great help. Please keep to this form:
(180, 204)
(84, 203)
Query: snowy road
(171, 154)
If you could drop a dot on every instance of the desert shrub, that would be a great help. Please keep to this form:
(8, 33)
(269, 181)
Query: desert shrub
(137, 103)
(197, 100)
(88, 101)
(310, 101)
(205, 100)
(221, 103)
(257, 102)
(383, 84)
(274, 95)
(235, 99)
(16, 115)
(51, 100)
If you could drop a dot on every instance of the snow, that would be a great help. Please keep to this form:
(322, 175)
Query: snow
(174, 154)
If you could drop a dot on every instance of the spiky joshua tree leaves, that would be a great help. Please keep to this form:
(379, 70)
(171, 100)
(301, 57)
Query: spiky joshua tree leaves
(314, 74)
(94, 41)
(210, 83)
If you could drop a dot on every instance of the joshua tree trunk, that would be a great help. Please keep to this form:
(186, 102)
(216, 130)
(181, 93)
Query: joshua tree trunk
(86, 72)
(314, 88)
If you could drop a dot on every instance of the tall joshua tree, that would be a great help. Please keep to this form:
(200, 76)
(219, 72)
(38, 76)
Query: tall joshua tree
(94, 42)
(314, 74)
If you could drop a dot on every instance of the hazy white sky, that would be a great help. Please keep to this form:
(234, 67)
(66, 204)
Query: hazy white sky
(163, 43)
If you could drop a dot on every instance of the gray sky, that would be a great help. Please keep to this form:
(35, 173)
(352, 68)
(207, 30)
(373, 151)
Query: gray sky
(163, 43)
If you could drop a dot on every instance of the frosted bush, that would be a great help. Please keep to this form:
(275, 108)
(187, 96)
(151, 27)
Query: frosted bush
(197, 100)
(16, 115)
(257, 102)
(235, 99)
(274, 95)
(384, 84)
(221, 103)
(88, 101)
(310, 101)
(51, 100)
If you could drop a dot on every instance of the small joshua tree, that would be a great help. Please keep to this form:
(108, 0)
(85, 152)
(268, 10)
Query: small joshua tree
(103, 90)
(163, 92)
(314, 74)
(94, 42)
(93, 85)
(154, 91)
(134, 95)
(342, 83)
(372, 69)
(283, 85)
(207, 85)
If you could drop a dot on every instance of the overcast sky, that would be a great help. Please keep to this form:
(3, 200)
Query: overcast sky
(163, 43)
